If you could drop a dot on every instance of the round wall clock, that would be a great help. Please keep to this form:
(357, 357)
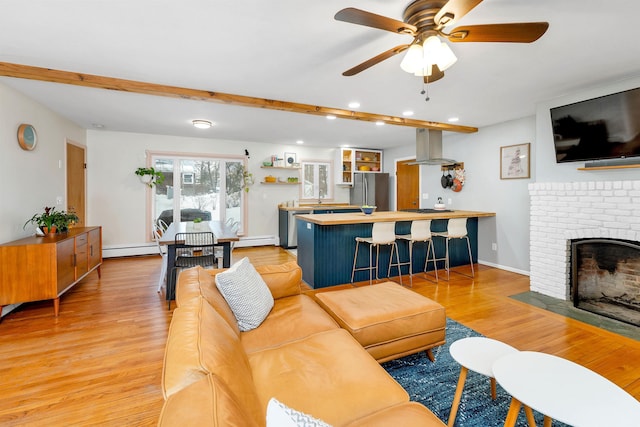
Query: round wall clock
(27, 137)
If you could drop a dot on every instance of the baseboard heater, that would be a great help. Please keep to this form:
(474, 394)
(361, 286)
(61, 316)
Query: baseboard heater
(114, 251)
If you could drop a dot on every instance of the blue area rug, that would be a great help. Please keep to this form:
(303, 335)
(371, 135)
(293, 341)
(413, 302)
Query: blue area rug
(434, 384)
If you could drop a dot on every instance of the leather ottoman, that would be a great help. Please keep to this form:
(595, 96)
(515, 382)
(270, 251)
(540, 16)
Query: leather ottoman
(388, 320)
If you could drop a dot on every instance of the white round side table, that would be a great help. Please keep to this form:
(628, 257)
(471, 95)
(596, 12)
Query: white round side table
(477, 354)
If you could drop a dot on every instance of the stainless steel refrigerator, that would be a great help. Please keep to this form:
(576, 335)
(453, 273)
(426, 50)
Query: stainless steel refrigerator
(370, 189)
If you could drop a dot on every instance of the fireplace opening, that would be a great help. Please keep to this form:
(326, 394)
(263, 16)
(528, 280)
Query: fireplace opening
(605, 278)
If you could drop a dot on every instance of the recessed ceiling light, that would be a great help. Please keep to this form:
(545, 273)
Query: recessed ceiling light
(331, 117)
(453, 119)
(354, 104)
(202, 124)
(407, 113)
(380, 123)
(300, 142)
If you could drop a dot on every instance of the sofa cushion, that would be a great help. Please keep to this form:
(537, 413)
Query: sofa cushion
(326, 375)
(283, 279)
(196, 282)
(246, 293)
(207, 402)
(280, 415)
(201, 342)
(292, 318)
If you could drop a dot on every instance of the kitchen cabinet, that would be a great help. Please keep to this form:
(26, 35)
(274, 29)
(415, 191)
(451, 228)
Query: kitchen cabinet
(357, 160)
(41, 268)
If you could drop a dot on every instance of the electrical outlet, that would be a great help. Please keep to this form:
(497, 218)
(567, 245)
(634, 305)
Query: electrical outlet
(59, 200)
(425, 196)
(308, 226)
(449, 201)
(494, 246)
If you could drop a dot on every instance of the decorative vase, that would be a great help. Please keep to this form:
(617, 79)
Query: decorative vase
(49, 231)
(146, 179)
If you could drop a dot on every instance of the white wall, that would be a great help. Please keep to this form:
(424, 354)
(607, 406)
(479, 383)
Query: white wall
(31, 180)
(483, 189)
(547, 170)
(117, 199)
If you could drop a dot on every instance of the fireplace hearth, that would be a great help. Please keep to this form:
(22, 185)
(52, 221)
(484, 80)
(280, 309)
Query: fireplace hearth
(605, 278)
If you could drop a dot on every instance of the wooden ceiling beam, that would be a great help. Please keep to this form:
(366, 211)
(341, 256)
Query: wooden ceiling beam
(110, 83)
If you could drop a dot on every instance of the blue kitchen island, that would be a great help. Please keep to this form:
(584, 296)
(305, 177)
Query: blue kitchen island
(326, 243)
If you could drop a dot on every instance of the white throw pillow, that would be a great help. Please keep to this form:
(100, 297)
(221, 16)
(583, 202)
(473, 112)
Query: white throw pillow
(280, 415)
(246, 293)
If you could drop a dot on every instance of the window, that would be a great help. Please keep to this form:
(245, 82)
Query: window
(199, 186)
(316, 180)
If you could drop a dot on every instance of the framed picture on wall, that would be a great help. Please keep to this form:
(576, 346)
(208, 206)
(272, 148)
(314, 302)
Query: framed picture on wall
(290, 159)
(515, 161)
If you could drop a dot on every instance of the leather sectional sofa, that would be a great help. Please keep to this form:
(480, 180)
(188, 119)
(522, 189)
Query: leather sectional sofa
(216, 375)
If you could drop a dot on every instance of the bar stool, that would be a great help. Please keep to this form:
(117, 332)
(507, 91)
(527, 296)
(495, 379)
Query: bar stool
(420, 232)
(456, 229)
(382, 233)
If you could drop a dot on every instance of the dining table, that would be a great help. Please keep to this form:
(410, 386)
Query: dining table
(224, 237)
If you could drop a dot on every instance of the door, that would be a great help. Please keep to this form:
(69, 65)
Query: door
(408, 185)
(76, 181)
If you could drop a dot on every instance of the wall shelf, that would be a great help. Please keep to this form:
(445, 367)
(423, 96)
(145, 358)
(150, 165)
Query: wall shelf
(599, 168)
(280, 167)
(280, 183)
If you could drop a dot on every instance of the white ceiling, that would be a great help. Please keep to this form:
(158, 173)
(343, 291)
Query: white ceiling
(293, 50)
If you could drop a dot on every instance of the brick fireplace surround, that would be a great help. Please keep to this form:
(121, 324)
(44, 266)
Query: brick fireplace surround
(562, 211)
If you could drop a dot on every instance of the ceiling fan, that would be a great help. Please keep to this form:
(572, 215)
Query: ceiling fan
(425, 20)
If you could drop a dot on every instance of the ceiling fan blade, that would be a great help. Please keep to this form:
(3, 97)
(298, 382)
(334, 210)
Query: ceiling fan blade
(453, 11)
(368, 19)
(525, 32)
(436, 75)
(376, 59)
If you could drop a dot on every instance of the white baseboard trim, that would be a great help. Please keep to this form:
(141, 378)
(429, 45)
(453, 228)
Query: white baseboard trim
(504, 267)
(133, 249)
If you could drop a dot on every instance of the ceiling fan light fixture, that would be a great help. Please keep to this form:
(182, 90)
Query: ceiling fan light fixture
(413, 59)
(439, 53)
(424, 70)
(446, 57)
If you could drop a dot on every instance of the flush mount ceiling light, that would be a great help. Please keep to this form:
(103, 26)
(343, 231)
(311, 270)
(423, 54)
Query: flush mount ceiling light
(354, 104)
(300, 142)
(331, 117)
(202, 124)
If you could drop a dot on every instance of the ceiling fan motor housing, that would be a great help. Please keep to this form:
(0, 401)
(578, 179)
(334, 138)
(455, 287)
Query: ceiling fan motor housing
(421, 14)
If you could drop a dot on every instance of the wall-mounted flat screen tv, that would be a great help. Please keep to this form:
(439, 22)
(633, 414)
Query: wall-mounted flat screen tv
(601, 128)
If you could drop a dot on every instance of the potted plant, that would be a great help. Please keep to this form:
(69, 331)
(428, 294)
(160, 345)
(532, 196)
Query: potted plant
(150, 176)
(65, 219)
(51, 221)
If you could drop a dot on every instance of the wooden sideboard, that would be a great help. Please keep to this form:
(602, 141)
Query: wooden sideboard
(41, 268)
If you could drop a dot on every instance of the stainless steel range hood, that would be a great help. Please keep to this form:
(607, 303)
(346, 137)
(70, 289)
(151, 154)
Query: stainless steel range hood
(429, 148)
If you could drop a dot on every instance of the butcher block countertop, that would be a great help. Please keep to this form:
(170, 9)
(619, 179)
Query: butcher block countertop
(359, 218)
(318, 207)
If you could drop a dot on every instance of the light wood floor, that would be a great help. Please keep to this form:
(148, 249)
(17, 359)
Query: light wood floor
(100, 362)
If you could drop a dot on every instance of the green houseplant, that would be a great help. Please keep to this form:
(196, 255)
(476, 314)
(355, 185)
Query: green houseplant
(150, 176)
(51, 221)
